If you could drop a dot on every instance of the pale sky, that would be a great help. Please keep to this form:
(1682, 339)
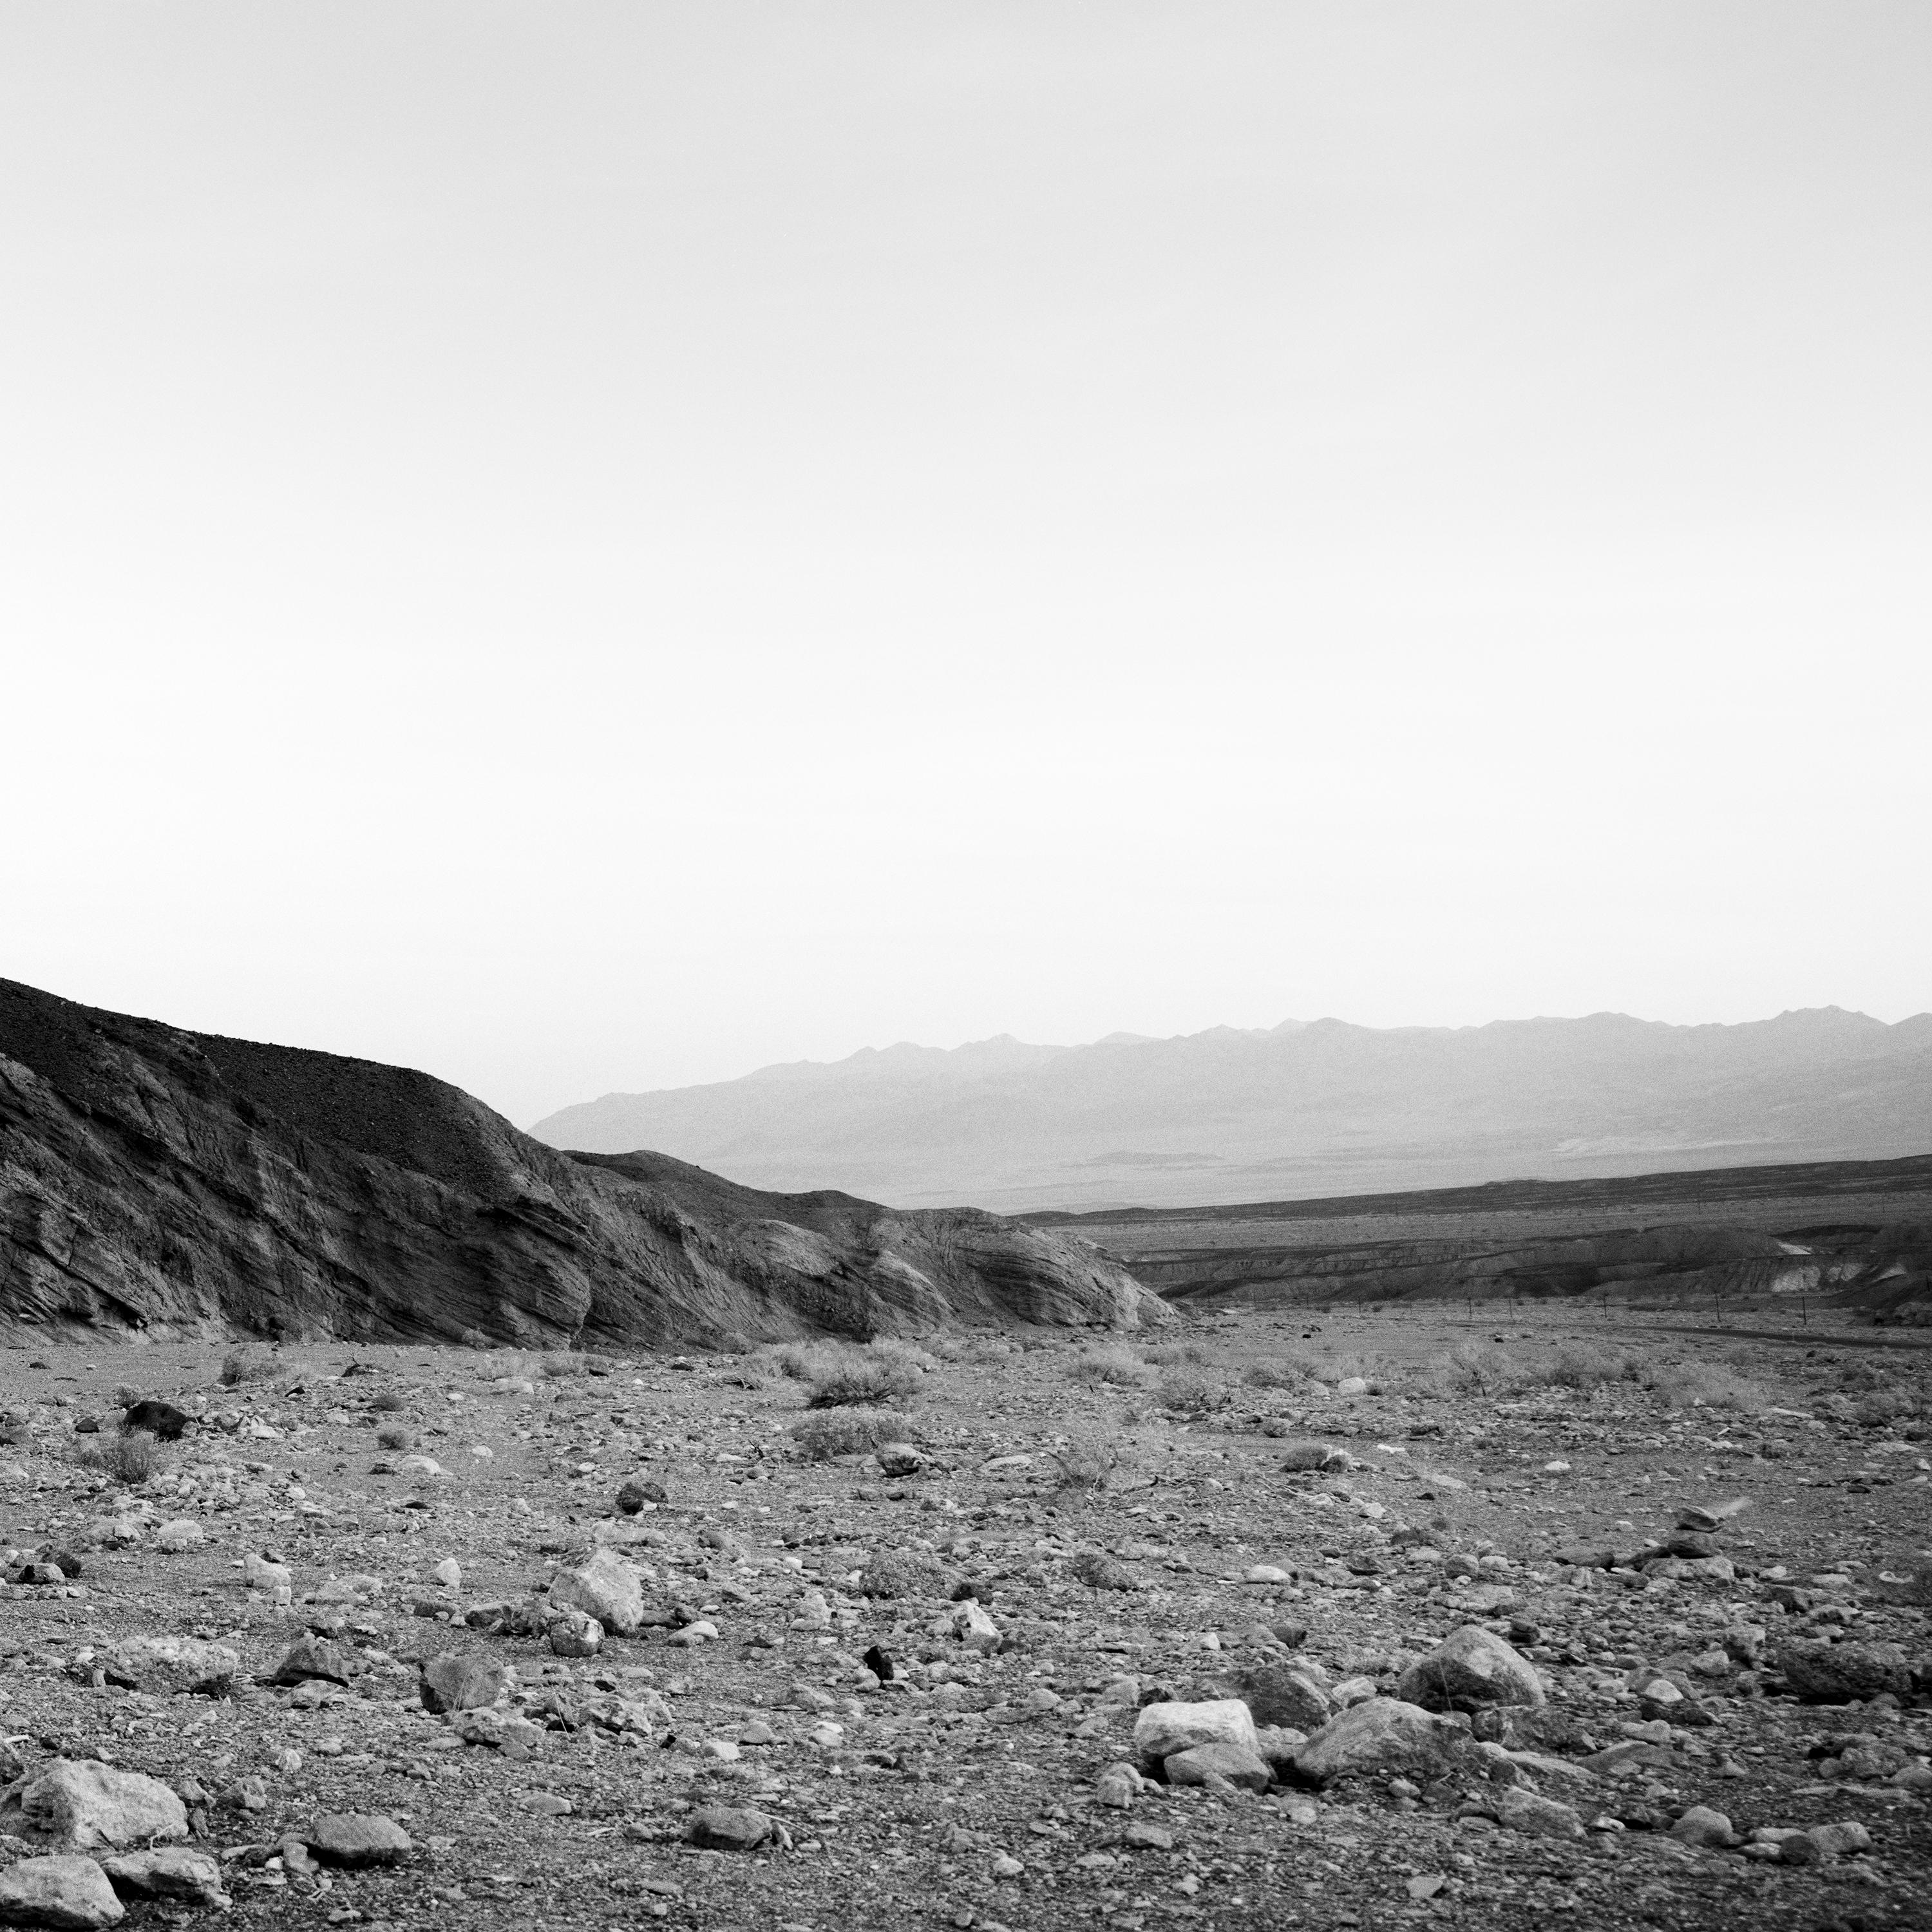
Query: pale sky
(583, 547)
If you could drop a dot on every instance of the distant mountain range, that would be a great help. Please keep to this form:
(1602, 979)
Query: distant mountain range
(1318, 1107)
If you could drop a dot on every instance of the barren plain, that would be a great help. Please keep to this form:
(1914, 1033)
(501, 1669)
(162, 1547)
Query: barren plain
(1003, 1629)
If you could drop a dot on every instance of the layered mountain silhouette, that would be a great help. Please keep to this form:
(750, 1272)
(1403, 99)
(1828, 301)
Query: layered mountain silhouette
(1318, 1108)
(157, 1181)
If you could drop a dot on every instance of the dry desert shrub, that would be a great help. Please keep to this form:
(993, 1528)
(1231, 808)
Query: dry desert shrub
(128, 1460)
(1170, 1354)
(1704, 1385)
(1479, 1369)
(1083, 1467)
(894, 1349)
(1290, 1371)
(250, 1364)
(852, 1432)
(1192, 1391)
(392, 1438)
(1580, 1368)
(861, 1376)
(387, 1403)
(800, 1361)
(1117, 1366)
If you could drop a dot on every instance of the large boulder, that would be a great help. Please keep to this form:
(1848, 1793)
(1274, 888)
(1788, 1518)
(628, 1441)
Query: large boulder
(602, 1586)
(86, 1805)
(1835, 1673)
(68, 1892)
(1471, 1667)
(1383, 1734)
(1162, 1730)
(357, 1840)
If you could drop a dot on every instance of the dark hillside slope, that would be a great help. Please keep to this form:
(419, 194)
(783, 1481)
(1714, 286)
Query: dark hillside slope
(160, 1181)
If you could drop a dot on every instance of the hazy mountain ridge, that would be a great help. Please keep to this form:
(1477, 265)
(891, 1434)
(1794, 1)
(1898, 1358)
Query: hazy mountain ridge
(1323, 1106)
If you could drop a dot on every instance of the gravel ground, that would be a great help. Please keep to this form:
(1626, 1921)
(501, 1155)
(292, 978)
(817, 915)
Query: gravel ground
(960, 1790)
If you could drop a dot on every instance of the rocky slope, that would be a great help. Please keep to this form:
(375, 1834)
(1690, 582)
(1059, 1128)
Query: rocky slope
(160, 1181)
(1315, 1109)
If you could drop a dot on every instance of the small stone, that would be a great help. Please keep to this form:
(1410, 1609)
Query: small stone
(1472, 1667)
(312, 1656)
(1538, 1817)
(356, 1840)
(1203, 1762)
(575, 1633)
(449, 1573)
(1701, 1825)
(1837, 1840)
(1148, 1838)
(1834, 1673)
(725, 1828)
(182, 1535)
(171, 1871)
(69, 1892)
(1163, 1729)
(604, 1586)
(455, 1682)
(1286, 1694)
(172, 1665)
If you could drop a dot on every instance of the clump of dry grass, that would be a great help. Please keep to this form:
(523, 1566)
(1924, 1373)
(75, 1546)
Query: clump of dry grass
(392, 1438)
(1116, 1366)
(1290, 1371)
(387, 1403)
(851, 1432)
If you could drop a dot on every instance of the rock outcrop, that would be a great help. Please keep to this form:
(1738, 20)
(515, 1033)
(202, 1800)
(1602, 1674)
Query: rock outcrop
(157, 1181)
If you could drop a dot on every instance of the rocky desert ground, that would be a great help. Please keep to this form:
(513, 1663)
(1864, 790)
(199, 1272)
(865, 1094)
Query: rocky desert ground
(1271, 1619)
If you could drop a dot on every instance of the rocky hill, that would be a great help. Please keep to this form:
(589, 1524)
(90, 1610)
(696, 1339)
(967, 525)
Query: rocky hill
(1322, 1109)
(157, 1181)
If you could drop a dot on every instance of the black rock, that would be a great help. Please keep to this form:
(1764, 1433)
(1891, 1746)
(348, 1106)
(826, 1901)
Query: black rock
(161, 1420)
(876, 1661)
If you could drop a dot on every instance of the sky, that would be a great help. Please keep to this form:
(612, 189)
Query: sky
(590, 547)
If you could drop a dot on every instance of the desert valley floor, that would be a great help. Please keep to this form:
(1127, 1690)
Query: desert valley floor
(1038, 1631)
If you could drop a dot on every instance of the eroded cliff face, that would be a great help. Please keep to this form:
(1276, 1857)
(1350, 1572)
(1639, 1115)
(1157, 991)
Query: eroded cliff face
(157, 1181)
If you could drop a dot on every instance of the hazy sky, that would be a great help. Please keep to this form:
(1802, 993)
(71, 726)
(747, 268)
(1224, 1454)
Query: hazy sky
(582, 546)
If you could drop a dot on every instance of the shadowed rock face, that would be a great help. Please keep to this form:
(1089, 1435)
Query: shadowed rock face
(154, 1179)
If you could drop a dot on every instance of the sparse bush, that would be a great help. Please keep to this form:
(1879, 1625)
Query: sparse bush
(248, 1364)
(129, 1459)
(1704, 1385)
(820, 1438)
(1590, 1368)
(860, 1375)
(392, 1438)
(1118, 1367)
(1881, 1406)
(475, 1338)
(799, 1361)
(904, 1573)
(1192, 1391)
(1278, 1371)
(387, 1403)
(896, 1349)
(1169, 1354)
(560, 1367)
(1479, 1369)
(1083, 1466)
